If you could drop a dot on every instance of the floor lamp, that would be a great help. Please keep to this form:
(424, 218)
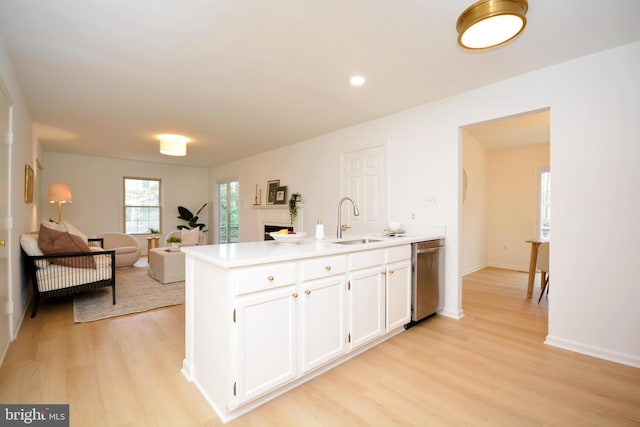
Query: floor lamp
(59, 193)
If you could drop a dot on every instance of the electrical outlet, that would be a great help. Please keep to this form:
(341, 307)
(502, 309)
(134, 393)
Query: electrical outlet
(430, 201)
(413, 216)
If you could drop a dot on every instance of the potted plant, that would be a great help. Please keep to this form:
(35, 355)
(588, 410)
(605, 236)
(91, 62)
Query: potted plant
(190, 218)
(293, 207)
(174, 242)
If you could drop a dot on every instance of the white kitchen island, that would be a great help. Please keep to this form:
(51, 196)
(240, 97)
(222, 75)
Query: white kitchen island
(262, 318)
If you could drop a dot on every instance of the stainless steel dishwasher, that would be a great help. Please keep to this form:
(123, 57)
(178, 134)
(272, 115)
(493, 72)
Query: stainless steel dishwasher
(428, 278)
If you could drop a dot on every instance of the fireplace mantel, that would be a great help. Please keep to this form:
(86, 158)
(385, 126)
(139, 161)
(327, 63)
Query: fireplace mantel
(279, 215)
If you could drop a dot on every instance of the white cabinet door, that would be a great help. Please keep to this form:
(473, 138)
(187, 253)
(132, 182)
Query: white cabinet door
(265, 342)
(323, 320)
(366, 306)
(398, 289)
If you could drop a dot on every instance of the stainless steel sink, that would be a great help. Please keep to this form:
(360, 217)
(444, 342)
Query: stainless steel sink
(357, 241)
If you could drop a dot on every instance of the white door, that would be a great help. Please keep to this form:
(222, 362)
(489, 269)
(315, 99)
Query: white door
(398, 294)
(5, 293)
(323, 321)
(266, 343)
(366, 306)
(365, 181)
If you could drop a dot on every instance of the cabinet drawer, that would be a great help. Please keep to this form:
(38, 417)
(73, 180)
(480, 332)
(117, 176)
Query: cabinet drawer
(366, 259)
(324, 267)
(265, 277)
(398, 253)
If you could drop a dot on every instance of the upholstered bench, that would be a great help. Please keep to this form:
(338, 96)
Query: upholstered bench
(166, 266)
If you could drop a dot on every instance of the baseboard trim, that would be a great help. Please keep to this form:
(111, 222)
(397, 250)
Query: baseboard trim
(452, 314)
(598, 352)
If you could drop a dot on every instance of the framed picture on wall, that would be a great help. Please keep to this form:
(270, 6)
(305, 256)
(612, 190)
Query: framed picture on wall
(281, 195)
(272, 186)
(28, 184)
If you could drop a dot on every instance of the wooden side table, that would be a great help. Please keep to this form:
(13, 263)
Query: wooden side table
(533, 262)
(156, 243)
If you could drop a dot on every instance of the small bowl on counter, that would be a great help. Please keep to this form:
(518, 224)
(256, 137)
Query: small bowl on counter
(288, 239)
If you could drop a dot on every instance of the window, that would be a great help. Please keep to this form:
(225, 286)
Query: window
(545, 203)
(228, 218)
(141, 205)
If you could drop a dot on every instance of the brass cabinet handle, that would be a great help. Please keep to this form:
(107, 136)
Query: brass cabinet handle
(308, 292)
(270, 278)
(328, 268)
(3, 243)
(390, 271)
(295, 295)
(384, 273)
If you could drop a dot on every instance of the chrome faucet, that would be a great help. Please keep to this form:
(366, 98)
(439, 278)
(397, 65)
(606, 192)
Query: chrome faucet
(356, 212)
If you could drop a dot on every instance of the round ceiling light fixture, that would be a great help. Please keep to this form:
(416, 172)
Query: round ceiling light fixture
(357, 80)
(488, 23)
(173, 145)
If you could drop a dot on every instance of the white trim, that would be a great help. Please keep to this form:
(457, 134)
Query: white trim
(589, 350)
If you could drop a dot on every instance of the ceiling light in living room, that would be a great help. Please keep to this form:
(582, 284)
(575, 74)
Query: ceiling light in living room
(488, 23)
(357, 80)
(173, 145)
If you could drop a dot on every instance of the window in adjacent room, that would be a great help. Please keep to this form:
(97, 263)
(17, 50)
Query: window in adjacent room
(545, 203)
(228, 217)
(142, 207)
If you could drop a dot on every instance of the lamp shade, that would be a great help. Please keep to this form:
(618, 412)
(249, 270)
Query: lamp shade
(59, 193)
(173, 145)
(488, 23)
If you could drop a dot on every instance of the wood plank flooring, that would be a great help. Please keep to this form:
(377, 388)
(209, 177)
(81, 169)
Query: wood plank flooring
(489, 368)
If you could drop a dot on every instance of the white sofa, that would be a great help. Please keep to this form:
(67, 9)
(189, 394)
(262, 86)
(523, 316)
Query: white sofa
(127, 248)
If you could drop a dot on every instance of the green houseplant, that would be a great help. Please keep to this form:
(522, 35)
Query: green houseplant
(190, 218)
(174, 242)
(293, 208)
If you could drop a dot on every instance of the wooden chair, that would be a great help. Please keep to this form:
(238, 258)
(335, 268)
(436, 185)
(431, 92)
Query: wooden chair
(543, 266)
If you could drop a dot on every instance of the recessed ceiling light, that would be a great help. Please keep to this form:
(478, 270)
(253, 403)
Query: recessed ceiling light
(357, 80)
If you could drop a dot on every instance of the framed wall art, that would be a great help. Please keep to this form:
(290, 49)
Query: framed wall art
(28, 184)
(281, 195)
(272, 186)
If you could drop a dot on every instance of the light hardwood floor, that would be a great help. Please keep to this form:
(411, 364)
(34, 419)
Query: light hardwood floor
(489, 368)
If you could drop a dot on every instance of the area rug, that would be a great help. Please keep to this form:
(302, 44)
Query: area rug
(135, 292)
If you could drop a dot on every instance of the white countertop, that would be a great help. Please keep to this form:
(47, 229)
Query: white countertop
(252, 253)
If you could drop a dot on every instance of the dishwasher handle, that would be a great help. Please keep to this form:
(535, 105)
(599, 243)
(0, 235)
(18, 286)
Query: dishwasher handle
(423, 251)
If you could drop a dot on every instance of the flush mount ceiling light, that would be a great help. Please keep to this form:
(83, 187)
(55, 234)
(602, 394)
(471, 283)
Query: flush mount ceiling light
(173, 145)
(357, 80)
(488, 23)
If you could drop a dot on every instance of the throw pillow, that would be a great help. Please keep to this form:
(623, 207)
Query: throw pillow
(190, 237)
(73, 230)
(29, 243)
(54, 242)
(52, 225)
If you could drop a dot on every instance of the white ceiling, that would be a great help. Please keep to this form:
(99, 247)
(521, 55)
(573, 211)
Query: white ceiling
(102, 77)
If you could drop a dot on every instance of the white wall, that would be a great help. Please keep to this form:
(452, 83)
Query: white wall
(474, 209)
(595, 102)
(23, 151)
(96, 184)
(512, 200)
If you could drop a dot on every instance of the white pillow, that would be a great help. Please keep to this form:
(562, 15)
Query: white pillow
(190, 237)
(54, 225)
(29, 243)
(73, 230)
